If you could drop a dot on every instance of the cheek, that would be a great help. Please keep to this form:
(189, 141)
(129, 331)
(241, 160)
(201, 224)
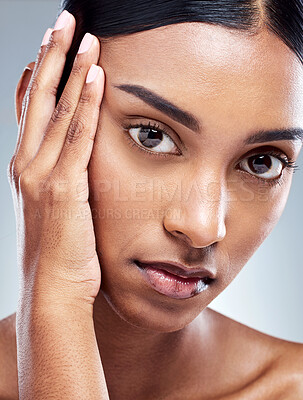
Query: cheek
(121, 195)
(110, 187)
(253, 213)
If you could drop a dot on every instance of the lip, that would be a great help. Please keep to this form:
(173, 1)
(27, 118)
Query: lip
(174, 280)
(178, 269)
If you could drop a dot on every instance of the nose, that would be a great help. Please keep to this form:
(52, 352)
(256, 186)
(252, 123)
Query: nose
(200, 218)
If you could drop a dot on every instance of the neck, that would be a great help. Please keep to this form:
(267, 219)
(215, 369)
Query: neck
(139, 363)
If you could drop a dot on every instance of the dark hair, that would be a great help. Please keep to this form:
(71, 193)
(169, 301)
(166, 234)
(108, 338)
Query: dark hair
(109, 18)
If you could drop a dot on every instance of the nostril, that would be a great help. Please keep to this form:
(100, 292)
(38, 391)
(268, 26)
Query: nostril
(183, 236)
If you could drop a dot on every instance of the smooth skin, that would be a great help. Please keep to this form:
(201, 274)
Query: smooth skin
(151, 346)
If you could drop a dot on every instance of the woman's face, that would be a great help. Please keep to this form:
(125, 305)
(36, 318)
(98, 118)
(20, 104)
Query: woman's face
(208, 192)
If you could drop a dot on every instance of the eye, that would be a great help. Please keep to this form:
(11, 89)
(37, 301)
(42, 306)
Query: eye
(265, 166)
(152, 138)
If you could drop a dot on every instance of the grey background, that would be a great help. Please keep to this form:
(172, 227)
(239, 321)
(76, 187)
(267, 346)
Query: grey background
(267, 295)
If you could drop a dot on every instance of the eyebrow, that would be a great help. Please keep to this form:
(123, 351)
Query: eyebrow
(190, 121)
(183, 117)
(274, 135)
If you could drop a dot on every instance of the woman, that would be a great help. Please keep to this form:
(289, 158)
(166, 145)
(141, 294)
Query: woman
(188, 151)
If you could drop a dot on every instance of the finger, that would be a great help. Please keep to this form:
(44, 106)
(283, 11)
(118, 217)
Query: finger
(21, 89)
(79, 140)
(40, 98)
(55, 133)
(21, 101)
(23, 84)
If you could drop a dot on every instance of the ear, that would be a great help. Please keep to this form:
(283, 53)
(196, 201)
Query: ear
(21, 89)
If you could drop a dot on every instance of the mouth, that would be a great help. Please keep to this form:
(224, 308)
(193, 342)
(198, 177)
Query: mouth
(175, 280)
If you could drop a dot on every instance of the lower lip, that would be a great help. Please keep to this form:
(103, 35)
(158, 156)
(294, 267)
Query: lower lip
(172, 285)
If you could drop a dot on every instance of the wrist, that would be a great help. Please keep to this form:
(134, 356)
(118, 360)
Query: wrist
(56, 296)
(46, 304)
(56, 345)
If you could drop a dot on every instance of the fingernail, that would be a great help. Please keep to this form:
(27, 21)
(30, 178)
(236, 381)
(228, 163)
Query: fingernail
(27, 69)
(92, 73)
(62, 21)
(46, 37)
(86, 43)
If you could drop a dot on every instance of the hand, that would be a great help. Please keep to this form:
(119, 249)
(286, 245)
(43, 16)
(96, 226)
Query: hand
(48, 173)
(57, 351)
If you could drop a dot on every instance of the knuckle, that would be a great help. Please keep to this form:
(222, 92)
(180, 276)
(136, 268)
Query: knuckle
(75, 131)
(52, 90)
(37, 187)
(33, 88)
(26, 182)
(13, 171)
(62, 110)
(37, 86)
(77, 69)
(86, 98)
(53, 44)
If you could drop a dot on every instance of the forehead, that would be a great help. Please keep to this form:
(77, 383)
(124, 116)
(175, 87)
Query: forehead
(211, 70)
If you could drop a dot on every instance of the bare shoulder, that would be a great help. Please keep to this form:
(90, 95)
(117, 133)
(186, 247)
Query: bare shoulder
(273, 366)
(8, 357)
(288, 368)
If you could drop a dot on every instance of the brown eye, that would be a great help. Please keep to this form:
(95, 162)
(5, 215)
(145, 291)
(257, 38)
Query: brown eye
(263, 165)
(153, 139)
(150, 137)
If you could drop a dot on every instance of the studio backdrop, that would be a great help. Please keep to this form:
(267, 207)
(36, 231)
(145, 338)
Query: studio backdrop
(267, 294)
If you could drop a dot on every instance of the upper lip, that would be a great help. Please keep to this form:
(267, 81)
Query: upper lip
(178, 269)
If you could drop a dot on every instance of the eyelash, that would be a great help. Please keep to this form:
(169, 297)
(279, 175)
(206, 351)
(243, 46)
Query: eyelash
(150, 125)
(287, 163)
